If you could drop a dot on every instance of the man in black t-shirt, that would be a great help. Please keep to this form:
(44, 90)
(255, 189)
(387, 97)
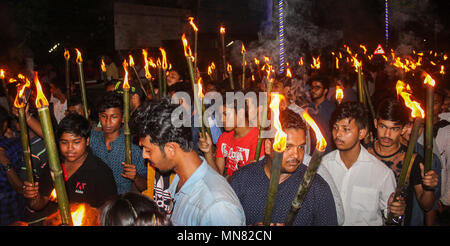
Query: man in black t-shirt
(88, 179)
(392, 117)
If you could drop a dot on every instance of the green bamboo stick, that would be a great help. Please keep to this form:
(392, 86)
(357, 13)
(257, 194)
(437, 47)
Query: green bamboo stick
(303, 189)
(360, 87)
(243, 69)
(197, 103)
(83, 90)
(68, 89)
(151, 87)
(164, 82)
(55, 166)
(368, 99)
(402, 182)
(126, 128)
(222, 41)
(273, 186)
(25, 144)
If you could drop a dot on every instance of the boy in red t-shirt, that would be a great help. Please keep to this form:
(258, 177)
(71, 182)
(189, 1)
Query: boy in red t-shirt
(236, 147)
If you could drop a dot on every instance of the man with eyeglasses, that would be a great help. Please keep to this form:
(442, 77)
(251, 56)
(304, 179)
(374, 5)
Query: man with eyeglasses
(321, 108)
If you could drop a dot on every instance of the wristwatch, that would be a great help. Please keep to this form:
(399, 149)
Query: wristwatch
(6, 166)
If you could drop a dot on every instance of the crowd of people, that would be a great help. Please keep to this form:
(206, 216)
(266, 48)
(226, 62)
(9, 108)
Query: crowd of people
(179, 176)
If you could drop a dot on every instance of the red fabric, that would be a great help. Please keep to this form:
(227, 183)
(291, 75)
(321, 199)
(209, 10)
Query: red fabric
(64, 172)
(238, 152)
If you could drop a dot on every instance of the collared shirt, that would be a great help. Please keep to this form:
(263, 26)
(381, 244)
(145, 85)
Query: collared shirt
(206, 199)
(365, 187)
(114, 158)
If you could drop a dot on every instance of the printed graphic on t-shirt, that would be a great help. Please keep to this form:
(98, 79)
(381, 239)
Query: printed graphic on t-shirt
(236, 157)
(162, 195)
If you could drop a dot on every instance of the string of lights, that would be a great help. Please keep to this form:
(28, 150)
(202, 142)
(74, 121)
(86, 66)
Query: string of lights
(387, 22)
(281, 34)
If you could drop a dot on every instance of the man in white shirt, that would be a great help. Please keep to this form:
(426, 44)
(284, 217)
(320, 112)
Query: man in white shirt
(365, 184)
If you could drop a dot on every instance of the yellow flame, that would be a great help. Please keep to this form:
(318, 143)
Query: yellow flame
(279, 143)
(256, 61)
(77, 216)
(79, 58)
(191, 22)
(151, 62)
(266, 59)
(429, 80)
(148, 75)
(164, 58)
(288, 73)
(337, 63)
(41, 100)
(442, 70)
(53, 196)
(222, 30)
(300, 62)
(103, 66)
(445, 57)
(243, 48)
(316, 63)
(200, 88)
(66, 55)
(229, 68)
(433, 63)
(402, 90)
(321, 143)
(2, 74)
(339, 93)
(187, 49)
(126, 85)
(19, 96)
(364, 48)
(131, 60)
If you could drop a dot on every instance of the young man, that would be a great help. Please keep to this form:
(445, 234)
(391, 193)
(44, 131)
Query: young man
(365, 184)
(251, 182)
(201, 196)
(392, 116)
(75, 106)
(109, 145)
(236, 147)
(87, 178)
(321, 108)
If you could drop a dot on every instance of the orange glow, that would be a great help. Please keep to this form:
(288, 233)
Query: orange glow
(279, 143)
(2, 74)
(222, 30)
(103, 66)
(21, 76)
(321, 143)
(148, 75)
(243, 48)
(126, 85)
(357, 64)
(288, 73)
(19, 95)
(316, 63)
(131, 60)
(433, 63)
(151, 62)
(266, 59)
(402, 90)
(41, 100)
(52, 197)
(66, 55)
(256, 61)
(337, 63)
(429, 80)
(339, 93)
(385, 57)
(300, 62)
(191, 22)
(442, 70)
(229, 68)
(164, 58)
(12, 80)
(200, 88)
(445, 57)
(364, 48)
(187, 49)
(253, 77)
(77, 216)
(79, 59)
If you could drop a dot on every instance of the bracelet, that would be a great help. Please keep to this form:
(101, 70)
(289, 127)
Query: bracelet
(6, 167)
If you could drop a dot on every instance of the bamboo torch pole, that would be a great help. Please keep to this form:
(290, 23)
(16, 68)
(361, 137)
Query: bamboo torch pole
(126, 114)
(164, 71)
(243, 51)
(52, 151)
(148, 75)
(82, 85)
(68, 89)
(429, 122)
(137, 75)
(279, 146)
(222, 42)
(310, 173)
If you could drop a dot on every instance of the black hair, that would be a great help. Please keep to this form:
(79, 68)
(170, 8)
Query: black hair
(75, 124)
(60, 84)
(351, 110)
(393, 110)
(154, 119)
(132, 209)
(234, 104)
(291, 120)
(4, 116)
(322, 79)
(111, 99)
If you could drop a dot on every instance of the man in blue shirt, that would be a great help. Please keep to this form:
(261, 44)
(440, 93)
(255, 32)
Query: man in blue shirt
(201, 197)
(251, 183)
(109, 145)
(321, 108)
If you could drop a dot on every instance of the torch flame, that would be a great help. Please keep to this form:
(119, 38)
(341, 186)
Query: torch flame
(337, 63)
(288, 73)
(279, 143)
(52, 196)
(191, 22)
(77, 216)
(79, 59)
(402, 90)
(229, 68)
(430, 81)
(164, 58)
(66, 55)
(442, 70)
(316, 63)
(200, 88)
(300, 62)
(151, 62)
(256, 61)
(321, 143)
(243, 49)
(2, 74)
(126, 85)
(131, 60)
(339, 93)
(19, 96)
(187, 49)
(222, 30)
(41, 100)
(103, 66)
(364, 48)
